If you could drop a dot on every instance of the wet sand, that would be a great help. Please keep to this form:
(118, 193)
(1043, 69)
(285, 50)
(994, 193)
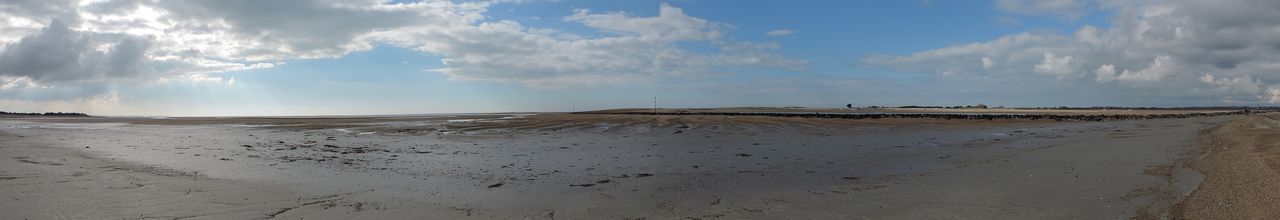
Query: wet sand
(563, 166)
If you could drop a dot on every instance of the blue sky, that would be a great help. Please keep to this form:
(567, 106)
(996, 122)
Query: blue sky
(134, 57)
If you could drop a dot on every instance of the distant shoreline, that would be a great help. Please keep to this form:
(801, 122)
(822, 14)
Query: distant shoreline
(935, 113)
(4, 114)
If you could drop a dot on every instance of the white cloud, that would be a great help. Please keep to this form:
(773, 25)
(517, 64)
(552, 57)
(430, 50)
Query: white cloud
(17, 82)
(1151, 47)
(64, 43)
(1063, 9)
(1053, 64)
(1105, 73)
(1273, 95)
(1242, 84)
(201, 78)
(780, 32)
(279, 30)
(1161, 67)
(671, 24)
(639, 49)
(1018, 53)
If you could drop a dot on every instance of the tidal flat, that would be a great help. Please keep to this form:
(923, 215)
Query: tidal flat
(598, 166)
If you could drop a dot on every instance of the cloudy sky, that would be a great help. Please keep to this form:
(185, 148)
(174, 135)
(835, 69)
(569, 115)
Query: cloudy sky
(326, 57)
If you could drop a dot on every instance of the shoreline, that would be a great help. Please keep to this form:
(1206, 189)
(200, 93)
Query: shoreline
(945, 115)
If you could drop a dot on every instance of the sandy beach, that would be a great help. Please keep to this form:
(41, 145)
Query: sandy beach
(1241, 168)
(569, 166)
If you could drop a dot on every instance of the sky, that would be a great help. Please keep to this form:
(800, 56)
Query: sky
(362, 57)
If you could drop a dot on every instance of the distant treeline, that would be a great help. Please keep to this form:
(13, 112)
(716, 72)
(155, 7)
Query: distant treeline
(951, 116)
(46, 114)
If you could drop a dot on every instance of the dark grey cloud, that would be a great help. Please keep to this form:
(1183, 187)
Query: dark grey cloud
(58, 53)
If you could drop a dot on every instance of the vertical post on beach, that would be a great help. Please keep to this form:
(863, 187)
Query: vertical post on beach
(655, 105)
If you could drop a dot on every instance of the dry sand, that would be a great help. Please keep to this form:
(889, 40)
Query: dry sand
(558, 166)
